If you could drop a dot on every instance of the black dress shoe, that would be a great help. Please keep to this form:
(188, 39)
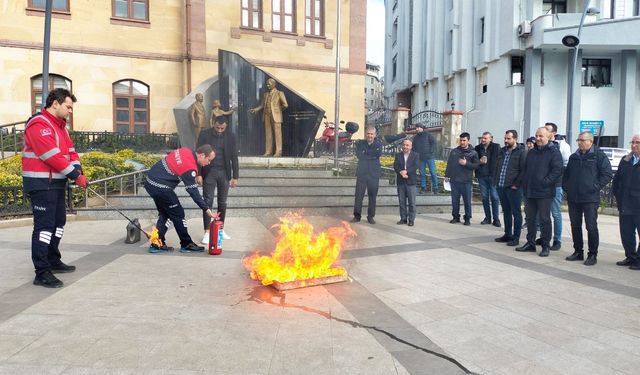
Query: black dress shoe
(355, 220)
(544, 252)
(591, 260)
(454, 220)
(514, 242)
(410, 223)
(502, 239)
(467, 222)
(62, 268)
(370, 220)
(47, 280)
(485, 221)
(400, 222)
(496, 223)
(577, 255)
(527, 247)
(625, 262)
(556, 246)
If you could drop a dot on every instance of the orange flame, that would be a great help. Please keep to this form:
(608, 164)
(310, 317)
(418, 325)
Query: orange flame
(299, 254)
(154, 238)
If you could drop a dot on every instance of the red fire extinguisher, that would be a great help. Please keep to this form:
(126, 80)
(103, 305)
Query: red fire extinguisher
(215, 235)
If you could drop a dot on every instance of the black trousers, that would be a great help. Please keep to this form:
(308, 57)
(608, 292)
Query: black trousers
(629, 229)
(590, 213)
(49, 218)
(540, 208)
(169, 208)
(370, 185)
(216, 179)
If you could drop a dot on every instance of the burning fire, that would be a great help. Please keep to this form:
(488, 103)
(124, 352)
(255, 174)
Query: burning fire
(154, 238)
(299, 253)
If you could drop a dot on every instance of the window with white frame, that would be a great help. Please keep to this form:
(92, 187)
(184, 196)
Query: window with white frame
(482, 81)
(596, 72)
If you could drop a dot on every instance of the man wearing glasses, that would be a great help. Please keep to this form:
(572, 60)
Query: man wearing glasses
(626, 189)
(587, 172)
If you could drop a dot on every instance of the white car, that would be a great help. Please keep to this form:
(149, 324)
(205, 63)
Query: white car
(614, 155)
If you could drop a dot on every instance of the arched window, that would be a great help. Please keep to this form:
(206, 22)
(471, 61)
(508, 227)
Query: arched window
(55, 81)
(130, 107)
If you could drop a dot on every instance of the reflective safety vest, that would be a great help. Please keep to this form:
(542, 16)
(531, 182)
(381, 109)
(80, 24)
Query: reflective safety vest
(48, 156)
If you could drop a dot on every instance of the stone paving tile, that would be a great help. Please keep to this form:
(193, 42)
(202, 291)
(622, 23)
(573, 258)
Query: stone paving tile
(483, 354)
(51, 350)
(601, 354)
(13, 369)
(12, 344)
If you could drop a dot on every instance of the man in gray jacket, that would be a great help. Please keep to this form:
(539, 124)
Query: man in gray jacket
(463, 160)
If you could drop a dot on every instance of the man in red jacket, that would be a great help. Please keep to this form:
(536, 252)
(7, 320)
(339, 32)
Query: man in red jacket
(49, 158)
(163, 177)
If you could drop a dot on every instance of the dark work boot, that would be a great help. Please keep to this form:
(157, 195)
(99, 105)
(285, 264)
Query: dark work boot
(577, 255)
(485, 221)
(47, 280)
(591, 260)
(456, 219)
(556, 245)
(467, 220)
(62, 268)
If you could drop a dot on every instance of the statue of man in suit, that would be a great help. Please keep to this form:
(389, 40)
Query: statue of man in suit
(198, 115)
(273, 103)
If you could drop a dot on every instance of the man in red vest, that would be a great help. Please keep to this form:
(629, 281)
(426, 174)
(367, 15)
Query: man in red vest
(163, 177)
(49, 159)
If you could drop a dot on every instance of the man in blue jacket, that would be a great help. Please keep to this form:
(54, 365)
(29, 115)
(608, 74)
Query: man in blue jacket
(368, 152)
(463, 160)
(543, 169)
(406, 164)
(588, 171)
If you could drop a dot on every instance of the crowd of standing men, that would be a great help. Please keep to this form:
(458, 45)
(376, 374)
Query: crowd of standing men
(539, 172)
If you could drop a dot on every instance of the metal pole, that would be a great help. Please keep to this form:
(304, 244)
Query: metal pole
(572, 74)
(45, 52)
(337, 107)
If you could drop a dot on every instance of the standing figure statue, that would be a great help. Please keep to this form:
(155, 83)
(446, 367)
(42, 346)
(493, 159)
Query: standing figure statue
(273, 103)
(197, 115)
(217, 111)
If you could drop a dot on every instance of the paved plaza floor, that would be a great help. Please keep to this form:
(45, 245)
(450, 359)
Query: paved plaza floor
(436, 298)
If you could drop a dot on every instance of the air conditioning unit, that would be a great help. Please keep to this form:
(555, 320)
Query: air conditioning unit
(524, 29)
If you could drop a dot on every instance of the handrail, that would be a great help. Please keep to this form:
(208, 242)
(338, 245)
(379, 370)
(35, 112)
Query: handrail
(4, 132)
(137, 177)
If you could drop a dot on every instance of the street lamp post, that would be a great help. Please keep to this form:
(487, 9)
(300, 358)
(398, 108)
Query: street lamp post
(574, 42)
(46, 46)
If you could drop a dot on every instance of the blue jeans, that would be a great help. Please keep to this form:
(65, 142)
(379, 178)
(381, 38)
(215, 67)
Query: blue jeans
(489, 198)
(557, 215)
(459, 189)
(511, 200)
(432, 172)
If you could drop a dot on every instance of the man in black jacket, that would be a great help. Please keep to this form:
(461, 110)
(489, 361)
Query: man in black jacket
(463, 160)
(588, 171)
(368, 171)
(488, 153)
(508, 179)
(223, 171)
(425, 145)
(406, 164)
(543, 169)
(626, 189)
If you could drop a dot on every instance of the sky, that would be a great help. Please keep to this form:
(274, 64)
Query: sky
(375, 33)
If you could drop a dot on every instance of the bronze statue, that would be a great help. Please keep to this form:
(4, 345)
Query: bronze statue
(273, 103)
(198, 115)
(217, 111)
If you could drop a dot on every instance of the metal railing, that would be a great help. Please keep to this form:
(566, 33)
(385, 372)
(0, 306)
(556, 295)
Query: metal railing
(11, 138)
(112, 141)
(13, 202)
(379, 117)
(114, 185)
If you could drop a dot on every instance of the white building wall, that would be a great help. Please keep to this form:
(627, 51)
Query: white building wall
(438, 57)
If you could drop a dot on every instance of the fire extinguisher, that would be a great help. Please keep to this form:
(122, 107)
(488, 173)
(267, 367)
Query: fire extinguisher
(215, 235)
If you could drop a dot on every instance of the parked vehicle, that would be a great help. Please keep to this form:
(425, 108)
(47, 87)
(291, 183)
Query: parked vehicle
(614, 155)
(326, 143)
